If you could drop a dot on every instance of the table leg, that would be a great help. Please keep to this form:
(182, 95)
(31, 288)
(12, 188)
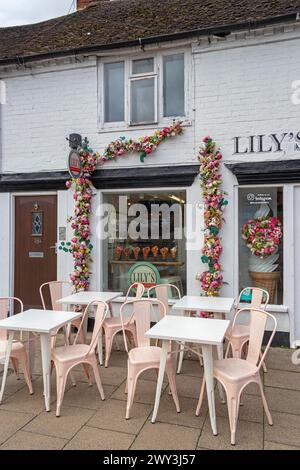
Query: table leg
(180, 359)
(6, 364)
(31, 352)
(209, 379)
(46, 364)
(66, 335)
(161, 373)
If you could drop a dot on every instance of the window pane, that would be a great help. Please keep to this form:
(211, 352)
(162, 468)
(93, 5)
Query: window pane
(142, 100)
(174, 85)
(143, 66)
(260, 241)
(114, 92)
(145, 230)
(37, 223)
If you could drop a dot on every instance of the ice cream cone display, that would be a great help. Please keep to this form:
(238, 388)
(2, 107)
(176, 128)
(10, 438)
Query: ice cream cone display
(155, 251)
(173, 252)
(127, 252)
(146, 251)
(136, 251)
(118, 252)
(164, 252)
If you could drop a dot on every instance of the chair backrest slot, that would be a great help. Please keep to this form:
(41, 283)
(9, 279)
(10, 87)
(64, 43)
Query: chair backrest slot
(258, 321)
(7, 306)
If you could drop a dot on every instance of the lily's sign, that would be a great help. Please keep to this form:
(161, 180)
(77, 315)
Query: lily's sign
(267, 143)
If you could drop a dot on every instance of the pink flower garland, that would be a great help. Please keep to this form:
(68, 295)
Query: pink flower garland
(214, 206)
(144, 145)
(262, 236)
(80, 246)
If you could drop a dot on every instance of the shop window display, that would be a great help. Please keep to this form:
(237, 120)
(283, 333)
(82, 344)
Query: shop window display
(144, 239)
(261, 241)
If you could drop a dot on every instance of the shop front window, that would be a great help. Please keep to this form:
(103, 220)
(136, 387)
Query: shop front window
(261, 241)
(144, 239)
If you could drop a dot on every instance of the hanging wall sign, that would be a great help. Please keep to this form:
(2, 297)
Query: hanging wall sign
(75, 164)
(145, 273)
(287, 142)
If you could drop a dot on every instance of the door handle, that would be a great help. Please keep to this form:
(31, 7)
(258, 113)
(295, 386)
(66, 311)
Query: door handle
(54, 247)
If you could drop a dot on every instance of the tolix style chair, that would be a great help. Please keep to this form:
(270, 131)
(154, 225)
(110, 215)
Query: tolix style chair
(235, 373)
(18, 355)
(69, 356)
(56, 291)
(113, 326)
(144, 356)
(238, 336)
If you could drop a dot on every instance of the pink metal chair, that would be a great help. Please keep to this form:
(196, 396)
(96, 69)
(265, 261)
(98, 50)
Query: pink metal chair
(144, 356)
(69, 356)
(113, 325)
(18, 354)
(235, 373)
(56, 291)
(161, 293)
(238, 336)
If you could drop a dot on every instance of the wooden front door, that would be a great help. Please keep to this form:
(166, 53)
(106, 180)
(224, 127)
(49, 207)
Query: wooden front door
(35, 238)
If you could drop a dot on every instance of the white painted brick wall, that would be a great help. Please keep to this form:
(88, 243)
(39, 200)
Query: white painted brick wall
(238, 91)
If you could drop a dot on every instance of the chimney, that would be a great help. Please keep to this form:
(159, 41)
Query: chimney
(82, 4)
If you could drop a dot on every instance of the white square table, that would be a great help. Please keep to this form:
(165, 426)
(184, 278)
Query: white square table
(216, 305)
(43, 322)
(219, 306)
(85, 297)
(203, 331)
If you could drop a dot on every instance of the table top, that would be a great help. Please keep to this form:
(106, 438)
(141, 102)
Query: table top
(190, 329)
(39, 321)
(206, 304)
(84, 298)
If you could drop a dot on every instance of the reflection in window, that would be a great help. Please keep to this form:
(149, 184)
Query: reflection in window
(37, 224)
(142, 101)
(174, 85)
(142, 66)
(114, 92)
(145, 227)
(260, 241)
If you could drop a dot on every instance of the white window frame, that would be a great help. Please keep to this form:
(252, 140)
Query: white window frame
(187, 81)
(160, 120)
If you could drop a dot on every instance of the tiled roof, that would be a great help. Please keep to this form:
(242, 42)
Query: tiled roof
(123, 22)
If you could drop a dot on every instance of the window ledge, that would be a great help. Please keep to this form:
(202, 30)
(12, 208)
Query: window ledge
(142, 127)
(270, 308)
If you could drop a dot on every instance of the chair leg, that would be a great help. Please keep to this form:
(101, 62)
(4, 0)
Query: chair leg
(180, 360)
(263, 364)
(265, 404)
(237, 349)
(172, 383)
(228, 349)
(100, 348)
(87, 372)
(15, 365)
(201, 396)
(61, 379)
(97, 377)
(26, 371)
(131, 384)
(81, 336)
(233, 405)
(108, 347)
